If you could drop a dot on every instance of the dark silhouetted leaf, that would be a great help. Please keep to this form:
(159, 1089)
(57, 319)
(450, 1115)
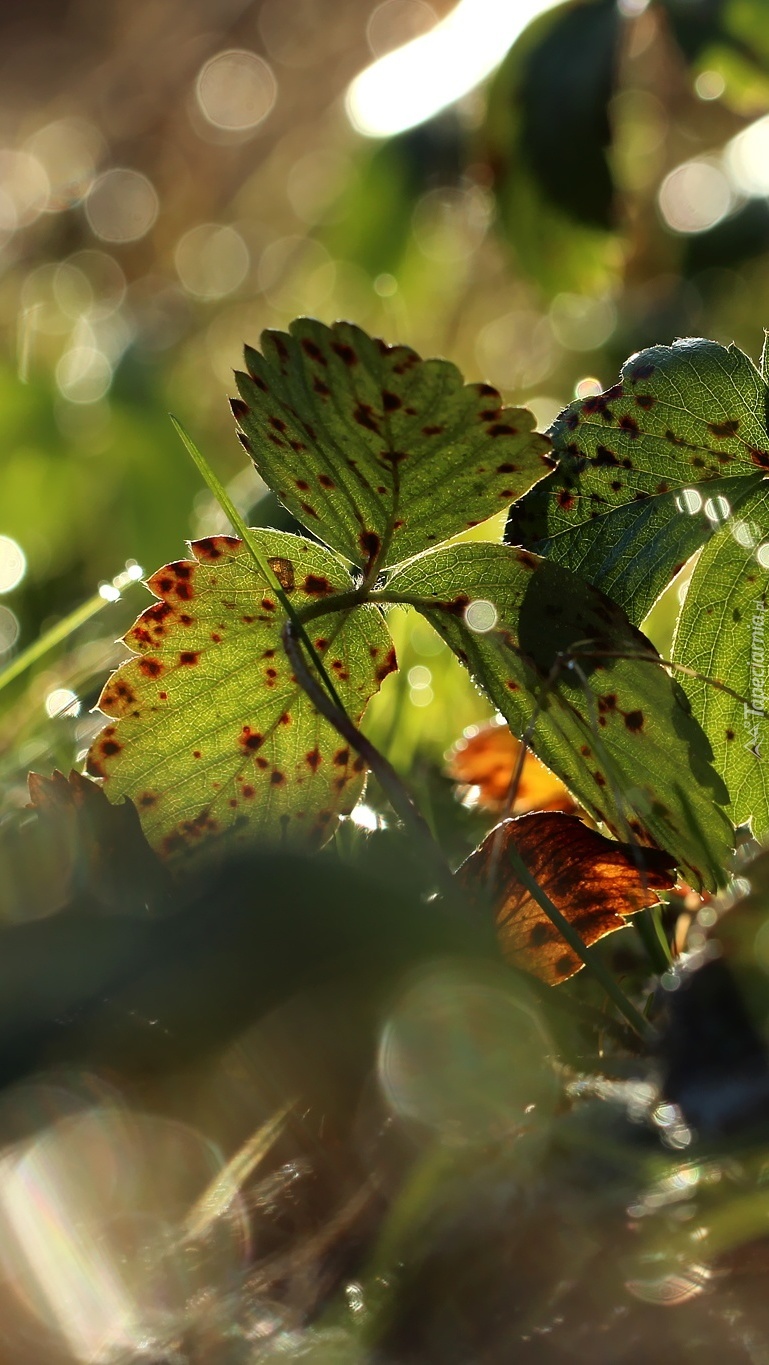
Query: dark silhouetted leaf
(619, 733)
(211, 734)
(595, 883)
(104, 854)
(378, 452)
(547, 133)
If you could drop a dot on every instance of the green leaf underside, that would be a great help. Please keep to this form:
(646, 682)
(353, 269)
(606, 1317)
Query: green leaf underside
(621, 735)
(692, 416)
(212, 737)
(379, 452)
(723, 633)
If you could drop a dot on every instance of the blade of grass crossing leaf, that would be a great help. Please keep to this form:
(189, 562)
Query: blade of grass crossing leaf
(238, 524)
(594, 965)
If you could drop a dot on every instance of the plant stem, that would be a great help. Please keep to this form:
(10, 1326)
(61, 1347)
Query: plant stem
(252, 545)
(394, 788)
(593, 963)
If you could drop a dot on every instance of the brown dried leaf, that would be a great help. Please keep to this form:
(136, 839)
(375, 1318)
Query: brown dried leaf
(486, 759)
(595, 883)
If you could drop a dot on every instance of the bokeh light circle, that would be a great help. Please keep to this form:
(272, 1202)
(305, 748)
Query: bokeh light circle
(122, 205)
(396, 22)
(95, 1230)
(13, 564)
(694, 197)
(9, 630)
(83, 374)
(236, 90)
(25, 186)
(463, 1054)
(211, 261)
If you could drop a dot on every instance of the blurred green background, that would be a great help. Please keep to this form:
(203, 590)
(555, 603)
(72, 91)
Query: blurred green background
(534, 190)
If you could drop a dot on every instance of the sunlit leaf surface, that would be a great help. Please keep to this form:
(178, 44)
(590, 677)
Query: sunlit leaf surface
(210, 733)
(594, 882)
(724, 635)
(649, 469)
(618, 732)
(376, 451)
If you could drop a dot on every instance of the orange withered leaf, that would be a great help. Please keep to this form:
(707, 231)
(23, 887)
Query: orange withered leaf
(595, 883)
(484, 761)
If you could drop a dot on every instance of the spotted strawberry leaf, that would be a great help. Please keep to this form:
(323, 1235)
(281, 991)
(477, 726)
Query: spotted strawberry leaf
(723, 633)
(618, 732)
(210, 734)
(379, 452)
(649, 470)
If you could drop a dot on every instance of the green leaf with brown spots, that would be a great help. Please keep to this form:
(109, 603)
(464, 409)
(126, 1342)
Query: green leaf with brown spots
(723, 633)
(210, 734)
(648, 470)
(378, 452)
(618, 731)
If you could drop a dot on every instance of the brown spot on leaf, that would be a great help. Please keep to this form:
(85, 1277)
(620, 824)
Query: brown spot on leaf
(364, 416)
(302, 485)
(312, 349)
(759, 457)
(526, 560)
(634, 720)
(629, 425)
(239, 409)
(277, 778)
(434, 430)
(250, 740)
(151, 668)
(388, 665)
(723, 430)
(390, 401)
(315, 585)
(189, 657)
(604, 456)
(345, 353)
(502, 429)
(341, 758)
(370, 543)
(313, 759)
(565, 499)
(643, 370)
(325, 481)
(645, 401)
